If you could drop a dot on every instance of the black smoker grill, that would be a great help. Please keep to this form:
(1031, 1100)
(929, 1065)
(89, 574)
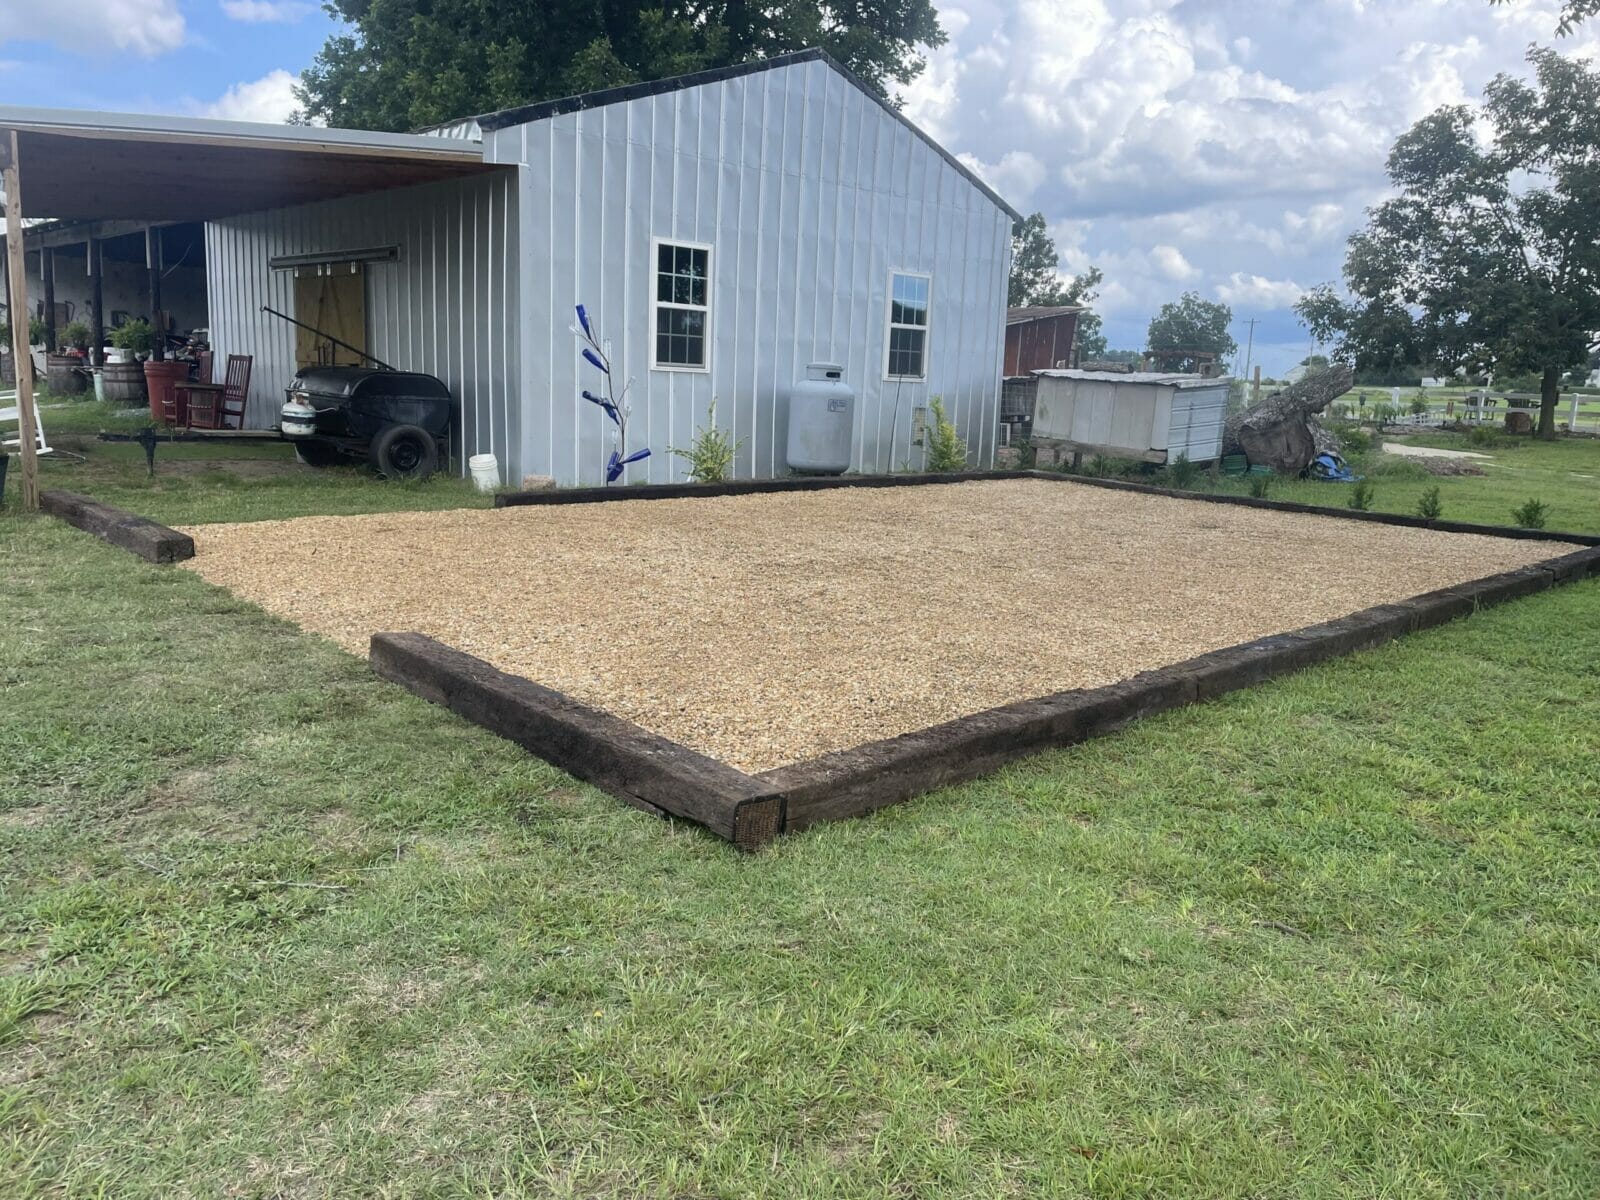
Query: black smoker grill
(399, 421)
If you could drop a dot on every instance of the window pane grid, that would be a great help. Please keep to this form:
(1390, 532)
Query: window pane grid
(683, 303)
(908, 324)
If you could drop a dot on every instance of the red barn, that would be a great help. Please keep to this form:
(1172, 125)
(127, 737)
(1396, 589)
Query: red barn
(1040, 337)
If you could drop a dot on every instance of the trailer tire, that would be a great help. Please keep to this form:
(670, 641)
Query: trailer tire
(316, 454)
(405, 452)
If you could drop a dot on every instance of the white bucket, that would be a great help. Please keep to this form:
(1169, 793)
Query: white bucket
(485, 471)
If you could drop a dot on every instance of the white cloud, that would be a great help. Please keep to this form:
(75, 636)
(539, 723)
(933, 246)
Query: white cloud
(262, 11)
(1169, 260)
(1228, 146)
(270, 99)
(143, 27)
(1257, 292)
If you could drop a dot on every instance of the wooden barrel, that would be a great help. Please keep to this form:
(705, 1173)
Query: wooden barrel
(124, 382)
(63, 374)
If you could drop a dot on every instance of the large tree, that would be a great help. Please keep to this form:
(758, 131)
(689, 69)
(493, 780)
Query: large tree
(1036, 279)
(1191, 330)
(404, 64)
(1489, 258)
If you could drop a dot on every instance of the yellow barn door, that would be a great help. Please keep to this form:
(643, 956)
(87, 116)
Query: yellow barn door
(336, 304)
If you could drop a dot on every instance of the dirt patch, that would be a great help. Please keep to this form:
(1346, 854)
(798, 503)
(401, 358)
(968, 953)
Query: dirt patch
(767, 629)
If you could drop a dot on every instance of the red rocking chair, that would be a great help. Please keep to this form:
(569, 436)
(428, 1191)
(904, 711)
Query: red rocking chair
(214, 405)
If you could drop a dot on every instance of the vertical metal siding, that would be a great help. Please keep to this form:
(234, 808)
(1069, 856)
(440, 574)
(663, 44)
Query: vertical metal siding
(809, 195)
(444, 308)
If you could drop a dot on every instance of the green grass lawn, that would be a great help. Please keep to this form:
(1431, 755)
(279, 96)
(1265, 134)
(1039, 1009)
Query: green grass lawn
(270, 926)
(244, 480)
(1565, 474)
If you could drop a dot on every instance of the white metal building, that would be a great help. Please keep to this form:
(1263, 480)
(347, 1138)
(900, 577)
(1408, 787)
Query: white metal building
(723, 230)
(1147, 415)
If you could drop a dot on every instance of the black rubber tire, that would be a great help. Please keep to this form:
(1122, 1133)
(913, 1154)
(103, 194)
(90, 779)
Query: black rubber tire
(405, 452)
(317, 454)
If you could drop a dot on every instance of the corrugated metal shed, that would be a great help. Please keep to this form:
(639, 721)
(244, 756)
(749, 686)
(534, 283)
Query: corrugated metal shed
(1147, 415)
(1040, 336)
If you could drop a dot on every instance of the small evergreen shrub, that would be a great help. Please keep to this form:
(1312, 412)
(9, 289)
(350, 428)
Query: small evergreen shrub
(1360, 496)
(1429, 507)
(946, 451)
(1181, 473)
(710, 454)
(1531, 515)
(1260, 485)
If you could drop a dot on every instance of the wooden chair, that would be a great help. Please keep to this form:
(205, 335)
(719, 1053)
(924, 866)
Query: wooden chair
(213, 405)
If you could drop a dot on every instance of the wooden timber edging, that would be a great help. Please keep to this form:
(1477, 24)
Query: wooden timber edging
(820, 483)
(637, 766)
(150, 541)
(666, 778)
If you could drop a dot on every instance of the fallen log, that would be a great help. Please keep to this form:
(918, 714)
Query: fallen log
(1282, 432)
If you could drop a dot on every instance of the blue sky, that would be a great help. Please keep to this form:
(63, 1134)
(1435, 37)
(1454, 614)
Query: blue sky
(1223, 146)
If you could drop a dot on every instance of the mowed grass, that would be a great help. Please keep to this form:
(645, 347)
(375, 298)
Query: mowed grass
(197, 482)
(270, 926)
(1565, 474)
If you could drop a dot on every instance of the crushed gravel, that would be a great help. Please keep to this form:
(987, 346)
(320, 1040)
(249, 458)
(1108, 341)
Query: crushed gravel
(767, 629)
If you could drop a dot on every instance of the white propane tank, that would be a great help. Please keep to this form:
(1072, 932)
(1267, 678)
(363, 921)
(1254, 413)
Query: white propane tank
(821, 422)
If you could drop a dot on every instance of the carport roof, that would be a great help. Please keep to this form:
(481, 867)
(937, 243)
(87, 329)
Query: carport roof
(78, 165)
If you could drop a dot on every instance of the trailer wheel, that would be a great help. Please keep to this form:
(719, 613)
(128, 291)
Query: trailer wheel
(405, 452)
(316, 454)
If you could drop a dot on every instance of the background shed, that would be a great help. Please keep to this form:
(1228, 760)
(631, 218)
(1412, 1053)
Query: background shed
(1144, 415)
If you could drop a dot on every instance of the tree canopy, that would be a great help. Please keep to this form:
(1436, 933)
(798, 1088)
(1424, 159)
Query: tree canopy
(1036, 279)
(1489, 258)
(1185, 333)
(404, 64)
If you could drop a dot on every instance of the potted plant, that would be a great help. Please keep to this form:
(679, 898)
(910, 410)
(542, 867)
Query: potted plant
(74, 338)
(134, 339)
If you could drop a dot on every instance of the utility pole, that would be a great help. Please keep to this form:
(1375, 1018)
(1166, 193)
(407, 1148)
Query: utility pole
(1249, 346)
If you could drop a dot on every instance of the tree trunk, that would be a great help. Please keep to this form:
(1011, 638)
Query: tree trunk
(1549, 397)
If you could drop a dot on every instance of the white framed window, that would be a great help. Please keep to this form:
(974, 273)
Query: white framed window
(905, 354)
(680, 306)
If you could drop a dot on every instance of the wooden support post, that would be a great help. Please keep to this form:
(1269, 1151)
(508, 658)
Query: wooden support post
(47, 272)
(97, 315)
(17, 273)
(152, 262)
(1255, 388)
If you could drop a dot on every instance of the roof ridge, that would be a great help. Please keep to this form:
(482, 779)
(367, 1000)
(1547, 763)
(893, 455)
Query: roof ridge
(545, 109)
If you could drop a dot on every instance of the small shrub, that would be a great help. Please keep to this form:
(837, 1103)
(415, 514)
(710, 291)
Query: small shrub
(1429, 507)
(946, 451)
(1531, 515)
(1419, 405)
(710, 454)
(1353, 441)
(1181, 473)
(1383, 412)
(1484, 436)
(1360, 496)
(74, 336)
(1260, 485)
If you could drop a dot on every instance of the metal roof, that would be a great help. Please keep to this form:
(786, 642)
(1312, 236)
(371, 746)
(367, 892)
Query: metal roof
(100, 165)
(1039, 312)
(1163, 378)
(523, 114)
